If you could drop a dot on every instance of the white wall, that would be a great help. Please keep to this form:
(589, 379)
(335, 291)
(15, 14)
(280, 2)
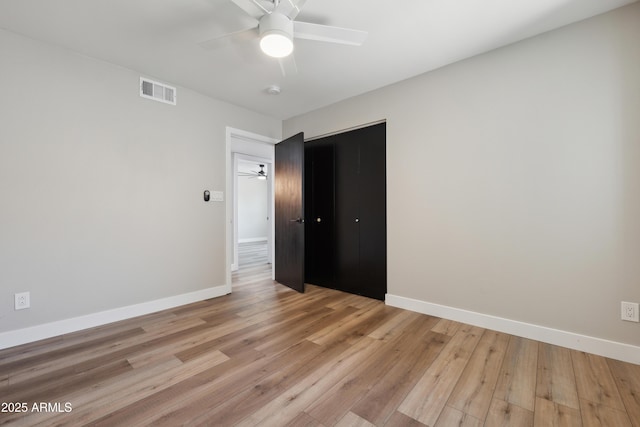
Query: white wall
(252, 209)
(101, 190)
(514, 178)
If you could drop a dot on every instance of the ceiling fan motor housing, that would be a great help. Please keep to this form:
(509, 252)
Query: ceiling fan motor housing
(276, 23)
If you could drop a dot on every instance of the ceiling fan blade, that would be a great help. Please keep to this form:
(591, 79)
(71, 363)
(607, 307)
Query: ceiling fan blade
(290, 8)
(227, 39)
(251, 8)
(288, 66)
(326, 33)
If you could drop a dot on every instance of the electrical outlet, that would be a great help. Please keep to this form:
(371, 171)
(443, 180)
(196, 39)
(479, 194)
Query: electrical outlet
(629, 311)
(22, 301)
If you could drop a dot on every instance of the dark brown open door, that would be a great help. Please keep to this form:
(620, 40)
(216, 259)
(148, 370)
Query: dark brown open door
(289, 212)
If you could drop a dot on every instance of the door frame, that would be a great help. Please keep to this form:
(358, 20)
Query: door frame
(239, 142)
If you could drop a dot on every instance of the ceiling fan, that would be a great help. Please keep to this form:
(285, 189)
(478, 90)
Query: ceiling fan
(261, 174)
(276, 29)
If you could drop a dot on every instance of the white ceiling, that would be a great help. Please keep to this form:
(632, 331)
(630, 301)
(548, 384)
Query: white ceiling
(160, 39)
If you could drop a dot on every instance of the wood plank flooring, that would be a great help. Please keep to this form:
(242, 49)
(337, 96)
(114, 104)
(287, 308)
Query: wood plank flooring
(268, 356)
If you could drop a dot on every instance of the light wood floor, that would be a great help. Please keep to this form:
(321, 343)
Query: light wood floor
(268, 356)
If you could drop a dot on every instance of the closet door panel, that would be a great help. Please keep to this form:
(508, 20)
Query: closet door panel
(373, 215)
(347, 214)
(319, 191)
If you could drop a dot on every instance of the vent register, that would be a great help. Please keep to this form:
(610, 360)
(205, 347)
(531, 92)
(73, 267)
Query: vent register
(157, 91)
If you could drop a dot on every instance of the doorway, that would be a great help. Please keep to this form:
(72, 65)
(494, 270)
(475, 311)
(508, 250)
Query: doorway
(243, 146)
(253, 216)
(241, 163)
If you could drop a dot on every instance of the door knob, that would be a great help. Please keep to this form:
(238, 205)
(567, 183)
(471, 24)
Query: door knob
(318, 219)
(357, 219)
(298, 220)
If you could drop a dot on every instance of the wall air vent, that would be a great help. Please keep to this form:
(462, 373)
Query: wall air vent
(157, 91)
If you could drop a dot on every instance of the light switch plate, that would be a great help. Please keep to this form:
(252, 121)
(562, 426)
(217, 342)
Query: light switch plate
(217, 196)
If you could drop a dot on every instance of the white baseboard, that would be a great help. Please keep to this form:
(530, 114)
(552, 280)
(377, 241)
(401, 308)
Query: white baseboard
(60, 327)
(599, 346)
(252, 240)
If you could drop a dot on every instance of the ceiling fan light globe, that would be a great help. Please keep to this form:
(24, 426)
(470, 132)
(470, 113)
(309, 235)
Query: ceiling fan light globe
(276, 44)
(262, 177)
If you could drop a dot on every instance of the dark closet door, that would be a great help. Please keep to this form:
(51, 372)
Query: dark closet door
(289, 212)
(350, 252)
(373, 209)
(319, 214)
(347, 163)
